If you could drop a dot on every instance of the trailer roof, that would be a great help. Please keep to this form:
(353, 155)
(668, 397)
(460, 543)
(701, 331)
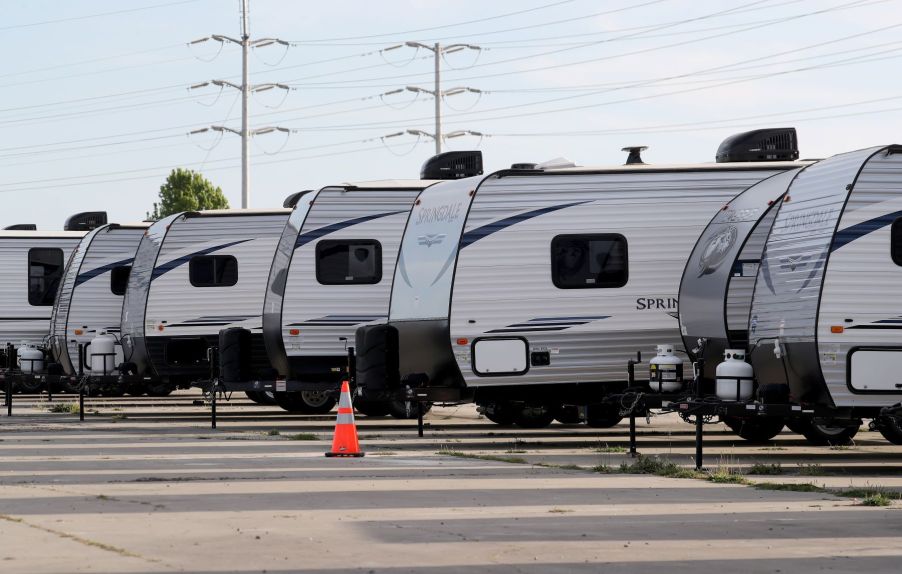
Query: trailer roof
(650, 167)
(233, 212)
(390, 184)
(9, 234)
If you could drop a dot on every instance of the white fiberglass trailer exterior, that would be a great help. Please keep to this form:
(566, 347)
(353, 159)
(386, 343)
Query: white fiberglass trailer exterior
(33, 264)
(195, 274)
(547, 282)
(332, 273)
(825, 296)
(89, 301)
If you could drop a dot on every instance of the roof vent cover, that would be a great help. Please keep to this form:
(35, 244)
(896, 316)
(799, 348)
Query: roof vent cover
(452, 165)
(21, 227)
(292, 200)
(86, 221)
(772, 144)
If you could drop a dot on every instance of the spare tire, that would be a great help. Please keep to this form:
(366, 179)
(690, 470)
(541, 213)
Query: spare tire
(891, 428)
(826, 434)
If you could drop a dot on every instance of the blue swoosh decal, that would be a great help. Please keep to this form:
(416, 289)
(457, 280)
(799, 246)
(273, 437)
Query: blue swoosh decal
(474, 235)
(850, 234)
(305, 238)
(167, 267)
(88, 275)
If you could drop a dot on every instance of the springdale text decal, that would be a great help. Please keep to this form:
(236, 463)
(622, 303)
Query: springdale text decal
(441, 214)
(657, 303)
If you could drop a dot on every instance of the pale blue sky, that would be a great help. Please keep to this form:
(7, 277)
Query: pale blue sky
(95, 108)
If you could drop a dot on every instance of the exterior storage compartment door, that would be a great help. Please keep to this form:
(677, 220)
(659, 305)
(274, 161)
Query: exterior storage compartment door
(502, 356)
(875, 370)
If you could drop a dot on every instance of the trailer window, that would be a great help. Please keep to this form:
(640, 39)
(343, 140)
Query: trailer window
(349, 262)
(589, 261)
(896, 241)
(119, 279)
(213, 271)
(45, 270)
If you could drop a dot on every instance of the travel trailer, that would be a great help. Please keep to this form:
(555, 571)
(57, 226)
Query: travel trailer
(819, 325)
(33, 265)
(88, 305)
(332, 273)
(541, 283)
(194, 275)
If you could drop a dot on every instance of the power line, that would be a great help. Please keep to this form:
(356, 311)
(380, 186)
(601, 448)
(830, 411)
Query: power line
(97, 15)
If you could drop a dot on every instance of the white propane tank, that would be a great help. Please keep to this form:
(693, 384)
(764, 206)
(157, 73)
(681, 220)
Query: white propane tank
(31, 359)
(734, 365)
(103, 354)
(665, 371)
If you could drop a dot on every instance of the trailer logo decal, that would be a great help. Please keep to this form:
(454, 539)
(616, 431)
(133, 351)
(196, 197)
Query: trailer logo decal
(474, 235)
(548, 324)
(307, 237)
(716, 250)
(431, 239)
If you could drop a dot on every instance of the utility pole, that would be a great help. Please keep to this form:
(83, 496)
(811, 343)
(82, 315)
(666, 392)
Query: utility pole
(246, 89)
(245, 93)
(438, 51)
(438, 98)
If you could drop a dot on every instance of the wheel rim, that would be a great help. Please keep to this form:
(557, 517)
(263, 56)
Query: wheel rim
(315, 398)
(830, 430)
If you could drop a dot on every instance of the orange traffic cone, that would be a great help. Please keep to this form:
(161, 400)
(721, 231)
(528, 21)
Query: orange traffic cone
(345, 441)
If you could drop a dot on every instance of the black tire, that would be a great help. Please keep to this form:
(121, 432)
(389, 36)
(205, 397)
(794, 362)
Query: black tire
(70, 386)
(306, 402)
(533, 416)
(825, 434)
(756, 430)
(113, 391)
(30, 385)
(890, 428)
(135, 390)
(159, 390)
(500, 413)
(797, 426)
(261, 397)
(406, 409)
(567, 415)
(371, 408)
(603, 416)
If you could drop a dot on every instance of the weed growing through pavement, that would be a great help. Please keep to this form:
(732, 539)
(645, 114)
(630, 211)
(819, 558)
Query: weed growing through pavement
(301, 436)
(842, 447)
(812, 469)
(272, 432)
(765, 469)
(491, 457)
(608, 449)
(69, 408)
(789, 486)
(557, 510)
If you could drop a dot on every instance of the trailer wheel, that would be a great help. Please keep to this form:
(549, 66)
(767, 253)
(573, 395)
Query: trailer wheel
(500, 413)
(533, 416)
(159, 390)
(370, 408)
(30, 386)
(755, 429)
(113, 391)
(406, 409)
(603, 416)
(135, 390)
(306, 402)
(826, 434)
(567, 414)
(890, 428)
(261, 397)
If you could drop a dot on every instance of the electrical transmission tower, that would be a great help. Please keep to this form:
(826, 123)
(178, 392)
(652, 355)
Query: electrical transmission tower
(438, 51)
(246, 90)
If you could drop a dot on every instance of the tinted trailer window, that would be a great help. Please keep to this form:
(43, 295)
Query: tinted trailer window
(589, 261)
(348, 262)
(45, 270)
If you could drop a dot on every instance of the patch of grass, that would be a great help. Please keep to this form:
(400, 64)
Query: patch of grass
(273, 432)
(604, 469)
(118, 417)
(69, 408)
(877, 494)
(766, 469)
(659, 467)
(813, 469)
(300, 436)
(789, 486)
(877, 499)
(724, 475)
(560, 466)
(841, 447)
(557, 510)
(608, 449)
(491, 457)
(203, 437)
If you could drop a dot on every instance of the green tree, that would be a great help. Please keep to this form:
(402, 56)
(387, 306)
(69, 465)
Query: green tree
(187, 190)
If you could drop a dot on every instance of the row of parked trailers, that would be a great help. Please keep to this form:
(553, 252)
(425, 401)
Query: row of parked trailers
(531, 291)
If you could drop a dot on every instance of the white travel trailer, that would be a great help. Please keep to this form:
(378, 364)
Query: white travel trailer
(89, 302)
(820, 325)
(195, 274)
(541, 284)
(332, 273)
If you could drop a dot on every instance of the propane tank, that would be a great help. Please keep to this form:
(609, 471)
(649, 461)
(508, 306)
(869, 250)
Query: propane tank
(665, 371)
(103, 354)
(734, 365)
(31, 359)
